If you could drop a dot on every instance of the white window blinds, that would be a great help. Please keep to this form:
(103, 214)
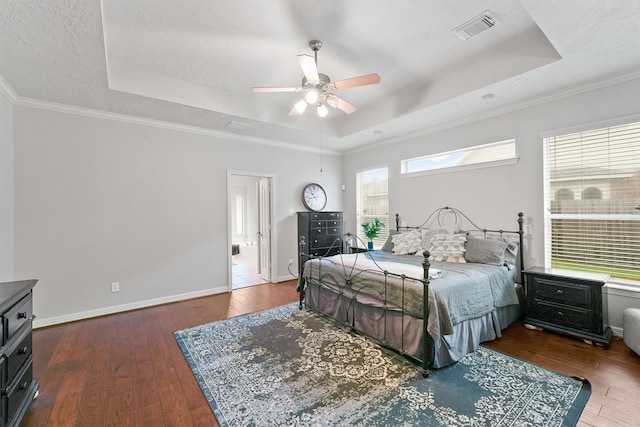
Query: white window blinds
(592, 198)
(373, 202)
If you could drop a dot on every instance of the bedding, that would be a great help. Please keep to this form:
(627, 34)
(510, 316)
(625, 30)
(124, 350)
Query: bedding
(471, 285)
(457, 292)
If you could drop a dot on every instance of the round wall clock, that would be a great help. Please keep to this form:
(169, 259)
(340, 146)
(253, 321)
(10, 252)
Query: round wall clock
(314, 197)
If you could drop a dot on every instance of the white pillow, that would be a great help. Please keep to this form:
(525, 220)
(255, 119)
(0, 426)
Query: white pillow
(407, 243)
(428, 234)
(448, 247)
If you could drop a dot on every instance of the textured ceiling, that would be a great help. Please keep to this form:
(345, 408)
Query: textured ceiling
(193, 62)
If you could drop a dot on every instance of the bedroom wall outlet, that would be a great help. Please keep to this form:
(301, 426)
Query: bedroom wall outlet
(115, 287)
(528, 229)
(290, 261)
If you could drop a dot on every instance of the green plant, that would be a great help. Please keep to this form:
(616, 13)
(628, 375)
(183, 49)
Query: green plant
(372, 228)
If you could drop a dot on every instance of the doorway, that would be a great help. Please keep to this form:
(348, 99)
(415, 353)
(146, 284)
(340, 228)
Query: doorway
(250, 229)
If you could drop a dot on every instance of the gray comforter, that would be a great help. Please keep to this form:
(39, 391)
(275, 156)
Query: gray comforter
(463, 291)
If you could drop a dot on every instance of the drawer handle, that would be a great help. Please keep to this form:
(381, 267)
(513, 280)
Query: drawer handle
(23, 350)
(560, 314)
(22, 315)
(559, 292)
(24, 385)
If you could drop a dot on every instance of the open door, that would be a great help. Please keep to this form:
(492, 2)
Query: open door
(251, 256)
(264, 228)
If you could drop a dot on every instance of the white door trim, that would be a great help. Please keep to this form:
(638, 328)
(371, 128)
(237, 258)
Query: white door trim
(272, 246)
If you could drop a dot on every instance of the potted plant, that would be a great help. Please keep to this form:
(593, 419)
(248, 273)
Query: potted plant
(371, 230)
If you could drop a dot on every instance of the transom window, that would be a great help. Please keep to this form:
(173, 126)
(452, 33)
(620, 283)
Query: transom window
(592, 200)
(493, 154)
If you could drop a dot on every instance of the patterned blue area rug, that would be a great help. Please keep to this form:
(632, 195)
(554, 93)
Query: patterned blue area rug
(290, 367)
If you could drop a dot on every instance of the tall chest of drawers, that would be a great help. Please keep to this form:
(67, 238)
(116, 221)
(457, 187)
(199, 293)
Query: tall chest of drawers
(322, 233)
(18, 388)
(568, 302)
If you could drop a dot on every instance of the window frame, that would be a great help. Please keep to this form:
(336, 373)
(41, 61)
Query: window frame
(404, 164)
(379, 241)
(549, 216)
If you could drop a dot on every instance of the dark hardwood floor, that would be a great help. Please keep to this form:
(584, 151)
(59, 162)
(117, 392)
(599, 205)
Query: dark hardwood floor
(127, 369)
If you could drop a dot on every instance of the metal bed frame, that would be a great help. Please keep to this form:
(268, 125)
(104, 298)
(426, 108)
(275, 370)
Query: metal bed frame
(427, 342)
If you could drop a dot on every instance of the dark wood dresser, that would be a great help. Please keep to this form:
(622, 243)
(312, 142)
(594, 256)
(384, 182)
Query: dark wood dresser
(569, 302)
(320, 231)
(16, 363)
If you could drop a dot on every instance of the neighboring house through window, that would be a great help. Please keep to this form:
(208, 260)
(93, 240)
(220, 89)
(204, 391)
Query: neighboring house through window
(592, 201)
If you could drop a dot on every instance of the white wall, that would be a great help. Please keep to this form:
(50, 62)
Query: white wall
(99, 201)
(6, 190)
(493, 196)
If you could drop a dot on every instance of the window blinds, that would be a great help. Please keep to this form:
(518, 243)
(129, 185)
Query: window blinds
(373, 202)
(592, 198)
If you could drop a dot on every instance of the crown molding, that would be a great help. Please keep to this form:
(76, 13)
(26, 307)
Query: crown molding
(7, 91)
(578, 89)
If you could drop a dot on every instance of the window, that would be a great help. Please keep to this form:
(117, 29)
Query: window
(592, 200)
(373, 201)
(494, 154)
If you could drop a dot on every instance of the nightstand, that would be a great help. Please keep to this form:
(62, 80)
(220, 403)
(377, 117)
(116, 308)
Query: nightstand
(569, 302)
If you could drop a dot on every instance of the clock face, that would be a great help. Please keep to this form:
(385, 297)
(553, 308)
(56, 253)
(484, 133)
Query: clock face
(314, 197)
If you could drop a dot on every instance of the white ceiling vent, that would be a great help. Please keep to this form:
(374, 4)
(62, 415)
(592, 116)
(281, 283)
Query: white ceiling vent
(475, 26)
(237, 125)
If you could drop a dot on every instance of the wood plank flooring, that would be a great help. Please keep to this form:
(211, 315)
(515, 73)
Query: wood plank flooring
(127, 369)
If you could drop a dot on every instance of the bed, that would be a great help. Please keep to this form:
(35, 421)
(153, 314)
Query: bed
(469, 274)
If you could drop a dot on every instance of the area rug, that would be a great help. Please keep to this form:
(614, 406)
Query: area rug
(290, 367)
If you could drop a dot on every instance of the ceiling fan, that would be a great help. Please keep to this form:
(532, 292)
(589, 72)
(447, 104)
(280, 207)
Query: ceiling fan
(318, 87)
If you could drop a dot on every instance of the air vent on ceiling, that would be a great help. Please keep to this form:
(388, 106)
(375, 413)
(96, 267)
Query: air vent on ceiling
(237, 125)
(475, 26)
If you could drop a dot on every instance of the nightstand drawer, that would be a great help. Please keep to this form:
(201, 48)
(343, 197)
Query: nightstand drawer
(562, 292)
(566, 316)
(569, 302)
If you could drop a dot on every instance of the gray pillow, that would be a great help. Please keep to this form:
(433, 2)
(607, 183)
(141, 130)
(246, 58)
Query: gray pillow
(486, 251)
(388, 244)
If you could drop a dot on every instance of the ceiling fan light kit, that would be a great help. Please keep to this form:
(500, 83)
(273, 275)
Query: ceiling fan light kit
(317, 87)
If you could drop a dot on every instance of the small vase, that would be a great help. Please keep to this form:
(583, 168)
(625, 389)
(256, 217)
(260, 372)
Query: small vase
(370, 245)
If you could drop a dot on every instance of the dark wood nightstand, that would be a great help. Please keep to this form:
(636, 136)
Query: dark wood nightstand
(569, 302)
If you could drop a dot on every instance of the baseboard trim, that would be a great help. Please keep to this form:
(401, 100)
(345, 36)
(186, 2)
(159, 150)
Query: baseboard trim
(617, 331)
(286, 278)
(82, 315)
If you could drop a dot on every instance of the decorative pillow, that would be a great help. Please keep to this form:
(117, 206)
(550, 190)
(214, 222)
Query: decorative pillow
(407, 243)
(428, 234)
(485, 251)
(388, 244)
(511, 253)
(447, 247)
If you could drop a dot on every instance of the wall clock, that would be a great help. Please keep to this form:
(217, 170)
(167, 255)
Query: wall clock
(314, 197)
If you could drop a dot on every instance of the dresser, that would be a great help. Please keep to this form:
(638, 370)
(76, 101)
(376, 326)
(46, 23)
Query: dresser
(568, 302)
(320, 231)
(17, 385)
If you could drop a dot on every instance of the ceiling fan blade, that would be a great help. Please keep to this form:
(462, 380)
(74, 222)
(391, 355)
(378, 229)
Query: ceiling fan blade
(339, 103)
(369, 79)
(274, 89)
(309, 68)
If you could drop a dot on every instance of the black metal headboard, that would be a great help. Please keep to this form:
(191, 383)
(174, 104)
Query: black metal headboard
(437, 218)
